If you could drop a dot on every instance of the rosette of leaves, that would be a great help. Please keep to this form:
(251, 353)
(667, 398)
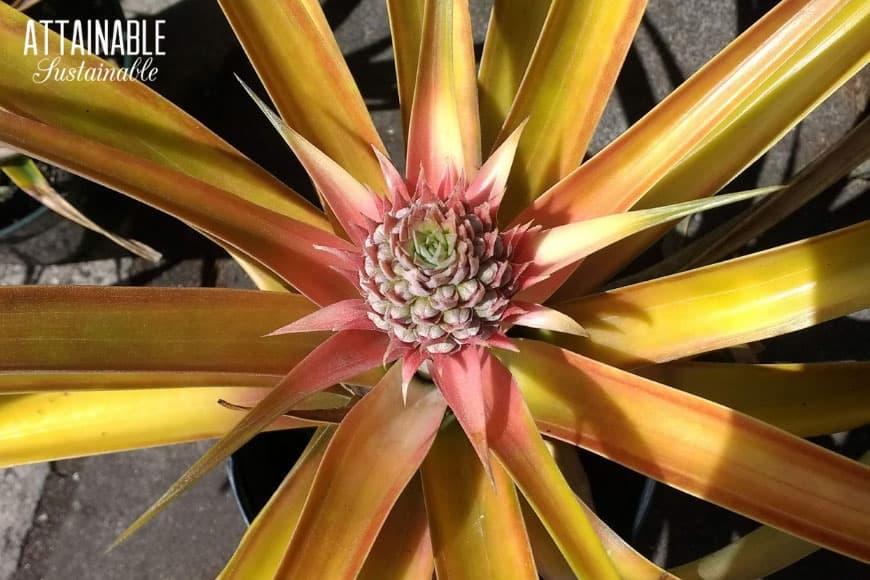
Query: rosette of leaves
(408, 286)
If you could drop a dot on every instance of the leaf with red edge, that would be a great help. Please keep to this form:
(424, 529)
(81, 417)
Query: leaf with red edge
(488, 186)
(345, 315)
(260, 551)
(750, 298)
(477, 527)
(59, 425)
(404, 546)
(515, 440)
(625, 170)
(569, 80)
(372, 457)
(351, 202)
(286, 246)
(300, 63)
(444, 126)
(340, 357)
(556, 248)
(700, 447)
(458, 377)
(131, 117)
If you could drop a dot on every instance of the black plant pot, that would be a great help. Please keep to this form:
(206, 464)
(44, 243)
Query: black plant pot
(257, 469)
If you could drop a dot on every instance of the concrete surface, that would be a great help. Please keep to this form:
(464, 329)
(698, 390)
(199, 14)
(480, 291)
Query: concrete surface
(20, 491)
(55, 520)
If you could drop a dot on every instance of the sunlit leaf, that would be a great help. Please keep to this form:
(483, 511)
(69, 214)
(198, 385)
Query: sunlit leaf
(444, 129)
(300, 64)
(757, 296)
(815, 178)
(370, 460)
(131, 117)
(340, 357)
(554, 249)
(700, 447)
(477, 527)
(515, 440)
(52, 426)
(830, 57)
(286, 246)
(568, 81)
(805, 399)
(403, 550)
(406, 30)
(758, 554)
(625, 170)
(262, 547)
(511, 37)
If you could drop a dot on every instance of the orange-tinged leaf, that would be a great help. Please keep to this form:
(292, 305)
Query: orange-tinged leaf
(42, 381)
(301, 66)
(836, 162)
(286, 246)
(833, 54)
(457, 376)
(551, 564)
(556, 248)
(350, 201)
(349, 314)
(627, 561)
(568, 81)
(370, 460)
(624, 171)
(52, 426)
(490, 182)
(511, 37)
(131, 117)
(262, 547)
(758, 554)
(477, 527)
(406, 23)
(82, 328)
(537, 316)
(804, 399)
(340, 357)
(444, 130)
(403, 550)
(700, 447)
(515, 440)
(26, 175)
(406, 30)
(735, 302)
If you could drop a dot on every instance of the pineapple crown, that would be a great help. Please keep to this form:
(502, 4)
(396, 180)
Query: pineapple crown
(437, 273)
